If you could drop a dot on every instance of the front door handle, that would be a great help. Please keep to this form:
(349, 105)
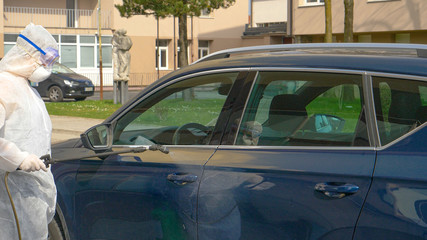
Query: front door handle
(181, 178)
(336, 189)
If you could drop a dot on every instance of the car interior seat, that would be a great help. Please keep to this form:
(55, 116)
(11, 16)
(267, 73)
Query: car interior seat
(287, 112)
(421, 115)
(402, 114)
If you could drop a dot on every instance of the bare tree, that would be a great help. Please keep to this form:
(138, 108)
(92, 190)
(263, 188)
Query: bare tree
(328, 21)
(348, 20)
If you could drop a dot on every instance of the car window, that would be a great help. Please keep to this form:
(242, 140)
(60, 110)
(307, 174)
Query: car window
(304, 109)
(59, 68)
(401, 106)
(184, 113)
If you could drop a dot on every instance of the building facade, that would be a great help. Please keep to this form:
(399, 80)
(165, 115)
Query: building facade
(267, 23)
(75, 25)
(386, 21)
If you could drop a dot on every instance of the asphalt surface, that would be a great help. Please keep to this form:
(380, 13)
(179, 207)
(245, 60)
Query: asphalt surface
(64, 128)
(108, 94)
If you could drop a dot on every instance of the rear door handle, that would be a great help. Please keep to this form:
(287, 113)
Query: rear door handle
(336, 189)
(181, 178)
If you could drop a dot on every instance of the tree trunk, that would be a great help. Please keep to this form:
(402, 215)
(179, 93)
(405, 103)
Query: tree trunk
(187, 94)
(182, 41)
(328, 21)
(348, 20)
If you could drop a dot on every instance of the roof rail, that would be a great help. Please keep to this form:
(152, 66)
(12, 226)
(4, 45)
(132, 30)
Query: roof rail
(418, 50)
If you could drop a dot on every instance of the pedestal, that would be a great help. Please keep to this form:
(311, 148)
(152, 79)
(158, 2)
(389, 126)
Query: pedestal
(120, 91)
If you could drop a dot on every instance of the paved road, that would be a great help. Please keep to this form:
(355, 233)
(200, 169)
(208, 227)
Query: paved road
(108, 95)
(64, 128)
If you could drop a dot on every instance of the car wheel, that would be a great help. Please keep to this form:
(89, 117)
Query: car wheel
(55, 94)
(80, 98)
(55, 229)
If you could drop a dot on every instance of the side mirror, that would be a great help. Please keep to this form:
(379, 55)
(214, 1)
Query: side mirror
(98, 137)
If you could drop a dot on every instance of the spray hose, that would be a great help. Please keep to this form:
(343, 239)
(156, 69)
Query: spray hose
(13, 205)
(47, 159)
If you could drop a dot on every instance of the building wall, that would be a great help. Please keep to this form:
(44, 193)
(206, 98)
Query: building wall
(217, 28)
(1, 29)
(268, 11)
(222, 28)
(369, 17)
(35, 4)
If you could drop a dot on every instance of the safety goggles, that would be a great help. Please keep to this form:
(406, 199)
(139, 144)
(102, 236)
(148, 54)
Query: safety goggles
(48, 57)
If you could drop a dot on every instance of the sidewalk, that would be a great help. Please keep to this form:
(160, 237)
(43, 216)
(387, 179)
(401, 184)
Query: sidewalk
(64, 128)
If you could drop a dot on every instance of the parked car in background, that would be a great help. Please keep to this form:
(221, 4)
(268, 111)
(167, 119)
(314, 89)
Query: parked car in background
(316, 141)
(65, 83)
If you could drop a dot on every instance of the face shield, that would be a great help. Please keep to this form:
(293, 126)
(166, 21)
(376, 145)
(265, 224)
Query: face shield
(48, 56)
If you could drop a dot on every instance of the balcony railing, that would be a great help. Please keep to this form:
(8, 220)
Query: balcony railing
(55, 18)
(273, 28)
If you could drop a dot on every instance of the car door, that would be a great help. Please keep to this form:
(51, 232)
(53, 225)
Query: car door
(151, 195)
(296, 162)
(396, 207)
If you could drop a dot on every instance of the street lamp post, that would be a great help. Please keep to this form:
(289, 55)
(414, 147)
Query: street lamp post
(100, 51)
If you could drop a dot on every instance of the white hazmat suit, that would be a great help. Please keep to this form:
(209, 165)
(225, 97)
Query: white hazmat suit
(25, 132)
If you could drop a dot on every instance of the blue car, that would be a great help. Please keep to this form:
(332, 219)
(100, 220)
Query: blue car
(311, 141)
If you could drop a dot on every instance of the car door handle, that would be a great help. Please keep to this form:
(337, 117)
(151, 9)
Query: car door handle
(336, 189)
(181, 178)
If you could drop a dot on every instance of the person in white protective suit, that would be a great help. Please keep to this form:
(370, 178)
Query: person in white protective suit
(25, 135)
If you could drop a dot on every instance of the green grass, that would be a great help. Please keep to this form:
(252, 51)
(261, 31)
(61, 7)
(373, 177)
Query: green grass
(175, 112)
(87, 109)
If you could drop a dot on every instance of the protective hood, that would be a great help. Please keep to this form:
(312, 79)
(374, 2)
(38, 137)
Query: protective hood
(23, 58)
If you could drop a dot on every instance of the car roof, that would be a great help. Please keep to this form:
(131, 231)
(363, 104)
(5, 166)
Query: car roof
(403, 59)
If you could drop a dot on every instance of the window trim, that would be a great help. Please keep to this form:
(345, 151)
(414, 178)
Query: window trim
(312, 70)
(368, 74)
(159, 57)
(317, 3)
(78, 46)
(152, 90)
(396, 76)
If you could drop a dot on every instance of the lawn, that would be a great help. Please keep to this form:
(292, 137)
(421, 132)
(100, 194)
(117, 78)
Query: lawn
(87, 109)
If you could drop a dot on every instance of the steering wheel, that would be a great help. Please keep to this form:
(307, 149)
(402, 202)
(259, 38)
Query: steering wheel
(197, 131)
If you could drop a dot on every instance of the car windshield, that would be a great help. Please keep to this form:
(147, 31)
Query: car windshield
(59, 68)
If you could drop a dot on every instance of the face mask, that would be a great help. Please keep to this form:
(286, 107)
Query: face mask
(39, 75)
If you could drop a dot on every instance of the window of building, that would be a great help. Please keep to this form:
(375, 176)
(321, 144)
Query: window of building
(162, 57)
(205, 13)
(9, 41)
(367, 38)
(76, 51)
(203, 48)
(107, 57)
(68, 55)
(403, 38)
(314, 2)
(369, 1)
(87, 51)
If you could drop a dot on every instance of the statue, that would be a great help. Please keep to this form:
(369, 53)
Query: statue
(121, 56)
(121, 64)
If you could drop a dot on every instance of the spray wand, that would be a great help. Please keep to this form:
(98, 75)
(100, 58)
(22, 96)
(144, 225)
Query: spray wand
(48, 160)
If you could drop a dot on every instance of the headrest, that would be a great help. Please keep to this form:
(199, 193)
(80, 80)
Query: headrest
(403, 107)
(422, 114)
(287, 104)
